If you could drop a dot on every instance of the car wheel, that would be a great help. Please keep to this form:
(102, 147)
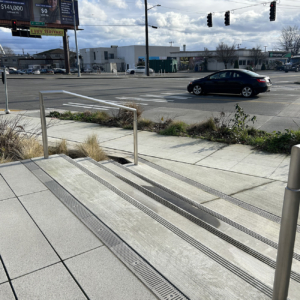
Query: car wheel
(247, 92)
(132, 72)
(286, 71)
(197, 89)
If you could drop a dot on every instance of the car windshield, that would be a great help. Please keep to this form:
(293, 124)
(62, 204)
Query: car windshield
(295, 60)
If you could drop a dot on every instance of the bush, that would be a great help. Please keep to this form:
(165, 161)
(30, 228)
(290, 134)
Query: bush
(199, 128)
(263, 67)
(175, 128)
(91, 148)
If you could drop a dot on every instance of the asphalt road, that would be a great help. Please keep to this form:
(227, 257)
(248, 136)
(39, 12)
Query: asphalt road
(159, 97)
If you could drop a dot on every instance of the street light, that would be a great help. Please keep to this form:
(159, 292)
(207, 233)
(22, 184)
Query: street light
(146, 32)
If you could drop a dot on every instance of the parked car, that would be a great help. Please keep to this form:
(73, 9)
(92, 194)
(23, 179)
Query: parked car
(49, 71)
(16, 72)
(87, 71)
(36, 72)
(59, 71)
(139, 70)
(6, 71)
(29, 71)
(43, 71)
(231, 81)
(74, 70)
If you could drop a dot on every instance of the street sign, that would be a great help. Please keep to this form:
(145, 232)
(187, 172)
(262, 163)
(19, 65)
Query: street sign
(32, 23)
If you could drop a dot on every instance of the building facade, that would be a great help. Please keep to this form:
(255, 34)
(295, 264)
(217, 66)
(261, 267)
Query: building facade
(194, 60)
(122, 58)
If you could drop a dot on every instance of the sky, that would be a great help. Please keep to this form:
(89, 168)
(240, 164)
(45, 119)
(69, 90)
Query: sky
(122, 23)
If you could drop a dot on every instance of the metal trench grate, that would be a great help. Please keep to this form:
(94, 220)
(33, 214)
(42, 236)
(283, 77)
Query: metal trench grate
(159, 285)
(205, 250)
(295, 276)
(207, 210)
(217, 193)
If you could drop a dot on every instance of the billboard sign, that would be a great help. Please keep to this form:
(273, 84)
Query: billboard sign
(48, 11)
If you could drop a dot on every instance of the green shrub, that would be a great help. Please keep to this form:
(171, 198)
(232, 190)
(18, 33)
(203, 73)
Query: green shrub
(199, 128)
(175, 128)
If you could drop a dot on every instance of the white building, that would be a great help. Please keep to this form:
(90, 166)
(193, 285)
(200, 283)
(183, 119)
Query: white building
(122, 58)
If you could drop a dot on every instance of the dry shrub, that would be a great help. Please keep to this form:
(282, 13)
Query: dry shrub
(17, 143)
(59, 148)
(31, 148)
(125, 117)
(145, 124)
(91, 148)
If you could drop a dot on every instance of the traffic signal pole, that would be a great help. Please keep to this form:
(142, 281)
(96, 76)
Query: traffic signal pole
(147, 43)
(7, 111)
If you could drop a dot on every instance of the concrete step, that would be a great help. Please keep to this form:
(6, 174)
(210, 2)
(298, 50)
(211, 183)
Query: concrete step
(248, 239)
(194, 268)
(250, 222)
(245, 261)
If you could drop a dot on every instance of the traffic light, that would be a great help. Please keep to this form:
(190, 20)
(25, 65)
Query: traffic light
(14, 25)
(227, 18)
(273, 11)
(209, 20)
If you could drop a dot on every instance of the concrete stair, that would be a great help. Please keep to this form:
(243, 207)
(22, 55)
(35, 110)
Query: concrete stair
(181, 239)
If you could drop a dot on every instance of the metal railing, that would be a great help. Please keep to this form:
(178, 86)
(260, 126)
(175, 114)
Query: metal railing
(44, 127)
(288, 228)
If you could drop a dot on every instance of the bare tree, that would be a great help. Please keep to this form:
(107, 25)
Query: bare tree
(225, 53)
(8, 51)
(290, 39)
(207, 53)
(257, 54)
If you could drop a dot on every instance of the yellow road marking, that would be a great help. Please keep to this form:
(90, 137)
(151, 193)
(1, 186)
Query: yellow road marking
(1, 109)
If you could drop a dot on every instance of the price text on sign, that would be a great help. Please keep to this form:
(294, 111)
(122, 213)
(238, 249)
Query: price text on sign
(46, 31)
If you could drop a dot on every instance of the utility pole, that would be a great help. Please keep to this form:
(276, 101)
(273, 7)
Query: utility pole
(77, 51)
(171, 43)
(238, 46)
(265, 48)
(147, 44)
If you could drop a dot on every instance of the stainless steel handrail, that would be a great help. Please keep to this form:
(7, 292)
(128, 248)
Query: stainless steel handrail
(44, 127)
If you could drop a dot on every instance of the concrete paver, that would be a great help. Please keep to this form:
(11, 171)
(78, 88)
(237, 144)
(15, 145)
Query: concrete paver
(6, 192)
(65, 232)
(101, 269)
(25, 249)
(51, 283)
(6, 292)
(3, 277)
(20, 179)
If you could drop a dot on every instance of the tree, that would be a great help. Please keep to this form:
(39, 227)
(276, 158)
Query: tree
(8, 51)
(257, 54)
(290, 39)
(225, 53)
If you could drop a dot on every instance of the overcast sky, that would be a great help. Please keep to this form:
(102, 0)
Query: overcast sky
(179, 22)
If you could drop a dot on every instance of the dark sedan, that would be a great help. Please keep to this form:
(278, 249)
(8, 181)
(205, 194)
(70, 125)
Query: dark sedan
(232, 81)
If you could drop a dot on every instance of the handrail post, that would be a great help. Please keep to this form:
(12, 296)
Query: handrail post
(55, 92)
(135, 125)
(44, 127)
(288, 228)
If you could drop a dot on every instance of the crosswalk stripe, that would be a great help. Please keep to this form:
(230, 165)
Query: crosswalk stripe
(161, 96)
(141, 99)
